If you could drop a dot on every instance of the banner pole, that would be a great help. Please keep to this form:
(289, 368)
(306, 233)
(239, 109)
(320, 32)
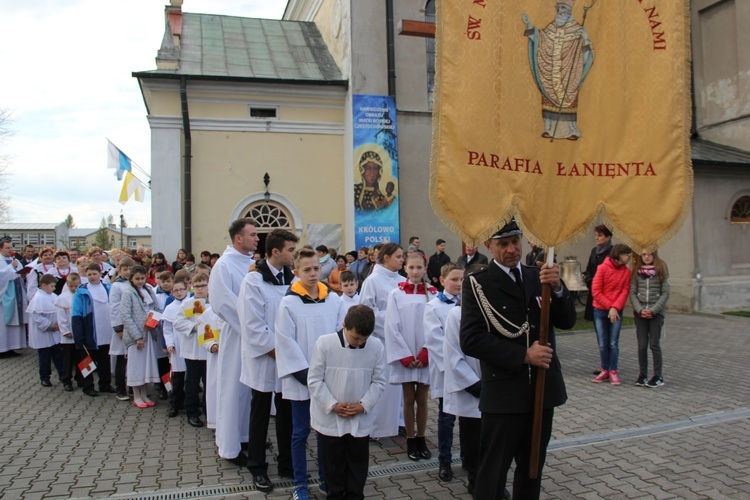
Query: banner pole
(536, 429)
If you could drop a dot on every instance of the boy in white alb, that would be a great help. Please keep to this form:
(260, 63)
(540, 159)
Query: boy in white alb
(346, 379)
(64, 303)
(463, 386)
(172, 341)
(451, 277)
(349, 285)
(305, 313)
(257, 304)
(186, 323)
(44, 333)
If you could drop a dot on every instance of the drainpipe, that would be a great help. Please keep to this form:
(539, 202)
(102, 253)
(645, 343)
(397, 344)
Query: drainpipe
(187, 231)
(390, 35)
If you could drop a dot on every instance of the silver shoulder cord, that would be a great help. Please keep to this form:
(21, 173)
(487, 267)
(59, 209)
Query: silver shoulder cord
(491, 314)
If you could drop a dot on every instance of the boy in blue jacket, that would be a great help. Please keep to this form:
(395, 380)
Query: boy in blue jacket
(92, 329)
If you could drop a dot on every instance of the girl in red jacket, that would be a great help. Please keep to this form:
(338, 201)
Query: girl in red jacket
(610, 290)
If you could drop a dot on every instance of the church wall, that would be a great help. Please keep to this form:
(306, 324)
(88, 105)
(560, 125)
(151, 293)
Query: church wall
(721, 56)
(229, 166)
(369, 48)
(333, 21)
(722, 258)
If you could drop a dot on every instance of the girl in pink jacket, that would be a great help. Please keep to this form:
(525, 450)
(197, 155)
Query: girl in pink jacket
(610, 290)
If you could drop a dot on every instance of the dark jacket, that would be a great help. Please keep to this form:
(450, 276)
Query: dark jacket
(507, 383)
(437, 261)
(595, 260)
(478, 259)
(82, 318)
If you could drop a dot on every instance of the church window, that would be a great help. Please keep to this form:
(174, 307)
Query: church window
(741, 211)
(269, 216)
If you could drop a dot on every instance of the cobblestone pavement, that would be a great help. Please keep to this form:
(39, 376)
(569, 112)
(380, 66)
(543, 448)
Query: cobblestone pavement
(687, 439)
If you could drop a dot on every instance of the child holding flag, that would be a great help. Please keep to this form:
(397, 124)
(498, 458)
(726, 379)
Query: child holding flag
(186, 324)
(64, 303)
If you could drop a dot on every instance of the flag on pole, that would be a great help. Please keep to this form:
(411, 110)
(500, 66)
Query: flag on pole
(118, 160)
(87, 366)
(132, 186)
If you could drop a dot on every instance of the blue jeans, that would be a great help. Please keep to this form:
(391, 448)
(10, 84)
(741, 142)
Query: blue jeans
(608, 336)
(446, 421)
(300, 433)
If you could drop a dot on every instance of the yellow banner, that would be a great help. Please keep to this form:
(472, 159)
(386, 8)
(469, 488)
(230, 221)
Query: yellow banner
(559, 112)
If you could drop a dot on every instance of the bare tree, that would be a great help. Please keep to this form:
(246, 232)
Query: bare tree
(5, 133)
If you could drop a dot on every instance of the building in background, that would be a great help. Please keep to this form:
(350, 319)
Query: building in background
(132, 237)
(235, 98)
(39, 234)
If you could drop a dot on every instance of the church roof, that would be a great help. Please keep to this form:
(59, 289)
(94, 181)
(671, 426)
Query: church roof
(707, 152)
(239, 48)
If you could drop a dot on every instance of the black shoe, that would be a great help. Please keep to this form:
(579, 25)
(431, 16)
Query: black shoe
(422, 448)
(262, 483)
(195, 421)
(91, 392)
(655, 381)
(68, 387)
(13, 354)
(240, 460)
(402, 431)
(445, 473)
(122, 396)
(596, 372)
(411, 449)
(163, 395)
(46, 383)
(641, 382)
(107, 390)
(173, 413)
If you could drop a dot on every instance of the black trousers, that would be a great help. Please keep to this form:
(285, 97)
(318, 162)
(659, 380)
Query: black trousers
(260, 415)
(103, 367)
(121, 369)
(345, 460)
(177, 396)
(196, 372)
(470, 433)
(70, 359)
(504, 438)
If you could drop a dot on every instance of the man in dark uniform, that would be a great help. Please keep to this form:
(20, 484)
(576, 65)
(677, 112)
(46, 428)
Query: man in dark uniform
(500, 326)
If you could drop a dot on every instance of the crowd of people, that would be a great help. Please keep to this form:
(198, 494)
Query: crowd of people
(351, 346)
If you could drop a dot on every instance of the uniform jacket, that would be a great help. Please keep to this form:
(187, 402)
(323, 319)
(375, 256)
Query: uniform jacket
(507, 383)
(82, 318)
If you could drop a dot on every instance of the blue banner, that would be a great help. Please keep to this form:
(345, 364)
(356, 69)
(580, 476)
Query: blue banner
(376, 214)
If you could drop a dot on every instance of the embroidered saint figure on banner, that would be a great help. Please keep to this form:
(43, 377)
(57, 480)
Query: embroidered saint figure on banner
(561, 56)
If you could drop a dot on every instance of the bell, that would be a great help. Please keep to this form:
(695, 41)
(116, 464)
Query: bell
(570, 271)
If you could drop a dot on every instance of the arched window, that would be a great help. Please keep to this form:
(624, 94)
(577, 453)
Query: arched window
(269, 216)
(741, 211)
(429, 16)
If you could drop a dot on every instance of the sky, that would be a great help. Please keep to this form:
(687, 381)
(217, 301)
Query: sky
(67, 83)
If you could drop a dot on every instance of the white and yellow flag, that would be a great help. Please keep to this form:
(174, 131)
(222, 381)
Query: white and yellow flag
(132, 186)
(558, 112)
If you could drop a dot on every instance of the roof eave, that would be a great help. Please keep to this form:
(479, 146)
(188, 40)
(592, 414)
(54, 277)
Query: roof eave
(238, 79)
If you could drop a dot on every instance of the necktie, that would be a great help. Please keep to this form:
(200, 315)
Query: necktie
(517, 275)
(280, 277)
